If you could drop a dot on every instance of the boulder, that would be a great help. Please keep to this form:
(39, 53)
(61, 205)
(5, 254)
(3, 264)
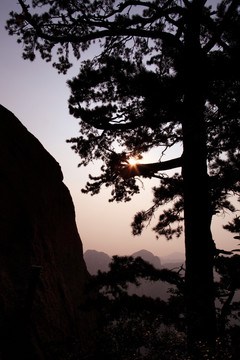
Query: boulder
(42, 270)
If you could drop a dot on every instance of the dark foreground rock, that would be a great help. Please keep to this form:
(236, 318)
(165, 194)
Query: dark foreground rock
(42, 271)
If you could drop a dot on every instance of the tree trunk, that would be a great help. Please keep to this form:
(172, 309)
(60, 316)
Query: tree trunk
(199, 291)
(199, 245)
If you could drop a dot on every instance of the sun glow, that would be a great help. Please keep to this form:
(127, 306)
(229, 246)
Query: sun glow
(132, 161)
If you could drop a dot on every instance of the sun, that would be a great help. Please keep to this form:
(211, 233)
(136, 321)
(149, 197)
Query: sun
(132, 161)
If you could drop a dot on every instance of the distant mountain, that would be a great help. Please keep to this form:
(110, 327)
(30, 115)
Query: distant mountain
(150, 288)
(149, 257)
(96, 260)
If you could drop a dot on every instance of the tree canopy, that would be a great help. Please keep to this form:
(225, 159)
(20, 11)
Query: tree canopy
(132, 93)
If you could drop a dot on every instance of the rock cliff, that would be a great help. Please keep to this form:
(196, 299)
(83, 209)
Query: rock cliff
(42, 271)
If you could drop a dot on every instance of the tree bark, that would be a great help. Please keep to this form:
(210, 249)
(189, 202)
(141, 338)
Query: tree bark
(199, 245)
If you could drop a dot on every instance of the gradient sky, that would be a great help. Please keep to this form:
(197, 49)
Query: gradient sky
(38, 96)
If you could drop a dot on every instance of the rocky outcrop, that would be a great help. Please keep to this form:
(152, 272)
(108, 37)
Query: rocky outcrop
(42, 271)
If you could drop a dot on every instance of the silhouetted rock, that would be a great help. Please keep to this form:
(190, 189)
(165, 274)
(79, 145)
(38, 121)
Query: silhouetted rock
(42, 271)
(96, 260)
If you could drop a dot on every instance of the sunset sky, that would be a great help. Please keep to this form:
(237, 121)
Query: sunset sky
(38, 96)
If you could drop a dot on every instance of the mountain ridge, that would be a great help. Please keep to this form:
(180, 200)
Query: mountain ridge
(98, 260)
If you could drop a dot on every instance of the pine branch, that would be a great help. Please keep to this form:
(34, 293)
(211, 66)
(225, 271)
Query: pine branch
(149, 170)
